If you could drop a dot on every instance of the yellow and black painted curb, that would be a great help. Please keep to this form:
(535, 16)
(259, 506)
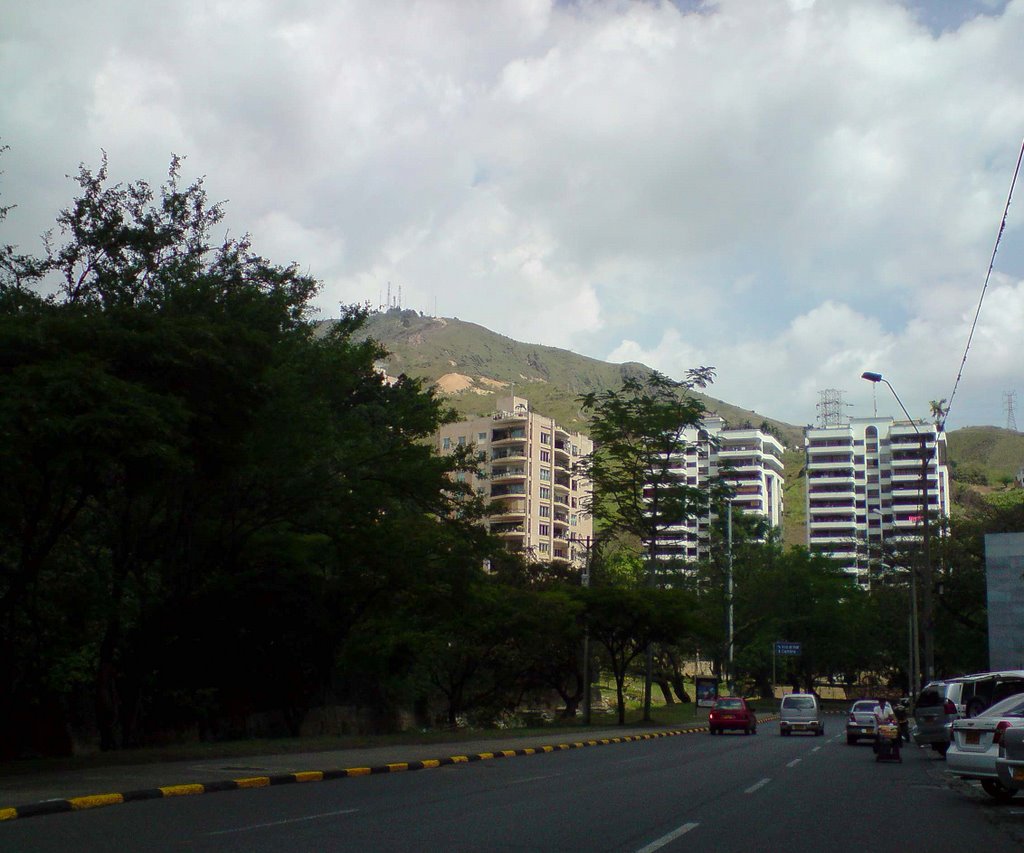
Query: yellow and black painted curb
(95, 801)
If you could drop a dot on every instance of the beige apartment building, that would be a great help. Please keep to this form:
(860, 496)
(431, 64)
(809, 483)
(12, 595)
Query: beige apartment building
(528, 461)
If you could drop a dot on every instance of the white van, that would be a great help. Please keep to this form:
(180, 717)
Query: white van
(801, 712)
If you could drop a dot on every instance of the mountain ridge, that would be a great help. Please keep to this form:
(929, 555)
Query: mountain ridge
(472, 365)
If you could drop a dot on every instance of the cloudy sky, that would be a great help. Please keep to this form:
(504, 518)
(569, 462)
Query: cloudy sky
(793, 191)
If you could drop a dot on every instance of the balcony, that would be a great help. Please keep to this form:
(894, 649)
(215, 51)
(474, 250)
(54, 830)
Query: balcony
(508, 511)
(829, 463)
(507, 472)
(835, 489)
(831, 445)
(826, 476)
(514, 434)
(510, 490)
(510, 452)
(507, 529)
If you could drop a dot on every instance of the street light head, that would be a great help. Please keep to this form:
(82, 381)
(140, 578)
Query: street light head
(871, 377)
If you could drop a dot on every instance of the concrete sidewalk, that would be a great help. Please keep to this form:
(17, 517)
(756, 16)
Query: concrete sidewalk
(28, 794)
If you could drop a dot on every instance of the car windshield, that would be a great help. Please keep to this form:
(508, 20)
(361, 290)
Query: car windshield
(730, 703)
(798, 702)
(933, 694)
(864, 707)
(1011, 707)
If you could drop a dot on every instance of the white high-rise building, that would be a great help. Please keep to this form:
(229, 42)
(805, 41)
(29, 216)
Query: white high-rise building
(748, 460)
(529, 460)
(865, 487)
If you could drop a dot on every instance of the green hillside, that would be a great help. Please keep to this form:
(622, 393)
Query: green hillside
(985, 455)
(473, 365)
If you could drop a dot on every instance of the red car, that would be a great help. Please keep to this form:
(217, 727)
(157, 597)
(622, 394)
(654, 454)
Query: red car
(732, 713)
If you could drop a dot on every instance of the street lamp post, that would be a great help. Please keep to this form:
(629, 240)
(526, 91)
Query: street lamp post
(926, 579)
(913, 647)
(732, 671)
(588, 543)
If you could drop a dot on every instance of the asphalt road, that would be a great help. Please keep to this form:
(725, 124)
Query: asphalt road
(728, 793)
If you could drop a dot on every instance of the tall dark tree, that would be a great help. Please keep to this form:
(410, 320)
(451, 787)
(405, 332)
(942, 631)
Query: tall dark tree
(639, 484)
(204, 494)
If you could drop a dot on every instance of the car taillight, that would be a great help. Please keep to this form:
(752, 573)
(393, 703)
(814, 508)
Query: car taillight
(1001, 727)
(853, 719)
(949, 707)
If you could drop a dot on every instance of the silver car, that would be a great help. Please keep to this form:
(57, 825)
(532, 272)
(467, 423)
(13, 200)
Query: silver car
(800, 712)
(976, 743)
(937, 706)
(1010, 761)
(862, 720)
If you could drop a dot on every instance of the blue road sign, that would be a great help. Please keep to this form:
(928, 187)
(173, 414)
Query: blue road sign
(784, 648)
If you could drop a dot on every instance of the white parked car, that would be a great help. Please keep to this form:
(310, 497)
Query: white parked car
(975, 744)
(862, 720)
(1010, 763)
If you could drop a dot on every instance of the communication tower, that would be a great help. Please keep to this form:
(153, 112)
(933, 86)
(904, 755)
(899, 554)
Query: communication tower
(1009, 399)
(830, 408)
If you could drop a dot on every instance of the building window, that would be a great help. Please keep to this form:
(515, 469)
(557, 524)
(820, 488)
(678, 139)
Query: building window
(446, 443)
(545, 493)
(545, 474)
(544, 511)
(481, 436)
(462, 441)
(545, 438)
(545, 456)
(544, 529)
(543, 546)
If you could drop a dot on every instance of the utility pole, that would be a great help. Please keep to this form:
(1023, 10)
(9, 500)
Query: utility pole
(588, 543)
(732, 673)
(927, 598)
(927, 581)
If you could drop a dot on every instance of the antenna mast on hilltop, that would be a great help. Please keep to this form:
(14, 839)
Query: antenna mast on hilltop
(830, 408)
(1009, 398)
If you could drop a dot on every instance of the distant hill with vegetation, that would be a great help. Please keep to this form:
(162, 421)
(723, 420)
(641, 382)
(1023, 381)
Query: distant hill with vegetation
(985, 455)
(473, 365)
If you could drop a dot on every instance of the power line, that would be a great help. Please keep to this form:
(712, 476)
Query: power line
(988, 275)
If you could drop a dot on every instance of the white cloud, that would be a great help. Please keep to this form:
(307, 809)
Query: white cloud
(785, 189)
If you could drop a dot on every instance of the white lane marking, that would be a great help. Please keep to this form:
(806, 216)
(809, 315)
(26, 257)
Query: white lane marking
(666, 839)
(794, 762)
(816, 749)
(534, 778)
(756, 786)
(281, 822)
